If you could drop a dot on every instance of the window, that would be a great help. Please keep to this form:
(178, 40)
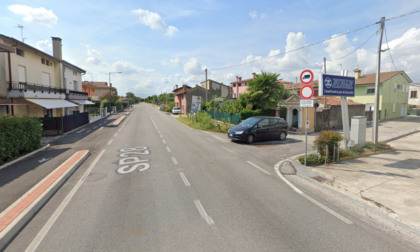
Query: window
(20, 52)
(75, 73)
(22, 73)
(239, 94)
(370, 90)
(234, 85)
(46, 79)
(48, 113)
(75, 85)
(43, 61)
(274, 122)
(48, 63)
(395, 87)
(264, 123)
(234, 95)
(393, 108)
(413, 94)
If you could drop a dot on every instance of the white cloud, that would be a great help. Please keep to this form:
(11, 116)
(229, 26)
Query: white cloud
(94, 57)
(44, 45)
(172, 63)
(253, 14)
(405, 53)
(355, 39)
(37, 15)
(193, 67)
(263, 16)
(173, 79)
(290, 65)
(171, 31)
(128, 68)
(154, 21)
(145, 83)
(151, 19)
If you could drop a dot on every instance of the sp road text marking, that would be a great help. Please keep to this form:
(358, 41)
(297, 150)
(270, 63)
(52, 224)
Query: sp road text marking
(128, 159)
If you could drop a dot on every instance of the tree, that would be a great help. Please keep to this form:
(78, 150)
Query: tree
(130, 95)
(265, 91)
(114, 99)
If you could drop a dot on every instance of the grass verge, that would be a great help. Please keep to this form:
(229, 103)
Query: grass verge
(199, 126)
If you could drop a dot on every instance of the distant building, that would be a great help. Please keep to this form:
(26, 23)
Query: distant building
(241, 86)
(97, 89)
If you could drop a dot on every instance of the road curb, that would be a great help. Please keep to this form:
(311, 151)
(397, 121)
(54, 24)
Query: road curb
(25, 156)
(22, 210)
(117, 122)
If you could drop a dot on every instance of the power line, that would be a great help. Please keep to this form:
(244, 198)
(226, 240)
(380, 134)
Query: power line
(403, 15)
(389, 50)
(357, 47)
(319, 42)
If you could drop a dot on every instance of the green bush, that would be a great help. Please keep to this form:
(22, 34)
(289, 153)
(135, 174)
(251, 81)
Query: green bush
(357, 149)
(18, 135)
(104, 103)
(327, 138)
(314, 159)
(377, 147)
(347, 153)
(246, 113)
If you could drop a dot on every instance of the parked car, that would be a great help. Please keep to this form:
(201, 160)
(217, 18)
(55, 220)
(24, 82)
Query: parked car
(162, 107)
(259, 128)
(176, 110)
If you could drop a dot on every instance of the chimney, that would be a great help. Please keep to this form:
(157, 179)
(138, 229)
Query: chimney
(184, 87)
(357, 73)
(253, 75)
(57, 48)
(176, 86)
(237, 79)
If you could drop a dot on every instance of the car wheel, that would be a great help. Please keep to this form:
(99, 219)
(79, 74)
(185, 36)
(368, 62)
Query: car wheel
(283, 136)
(250, 139)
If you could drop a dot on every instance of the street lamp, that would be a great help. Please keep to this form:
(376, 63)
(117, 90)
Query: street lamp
(110, 89)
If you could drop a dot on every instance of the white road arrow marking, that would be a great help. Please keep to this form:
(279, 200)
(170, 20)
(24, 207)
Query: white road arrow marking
(44, 160)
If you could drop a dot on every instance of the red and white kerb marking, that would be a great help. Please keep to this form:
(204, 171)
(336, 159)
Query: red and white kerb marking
(306, 92)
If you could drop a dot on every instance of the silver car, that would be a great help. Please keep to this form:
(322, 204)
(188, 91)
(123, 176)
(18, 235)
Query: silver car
(176, 110)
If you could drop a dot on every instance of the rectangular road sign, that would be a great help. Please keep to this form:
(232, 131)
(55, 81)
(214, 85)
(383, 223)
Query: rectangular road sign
(218, 99)
(196, 103)
(306, 103)
(333, 85)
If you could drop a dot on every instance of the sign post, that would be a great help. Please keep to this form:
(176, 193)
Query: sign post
(306, 92)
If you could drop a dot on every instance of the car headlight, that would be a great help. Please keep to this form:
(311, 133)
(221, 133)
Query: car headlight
(238, 132)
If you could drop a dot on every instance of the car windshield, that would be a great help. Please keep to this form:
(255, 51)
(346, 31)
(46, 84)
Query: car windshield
(176, 108)
(249, 122)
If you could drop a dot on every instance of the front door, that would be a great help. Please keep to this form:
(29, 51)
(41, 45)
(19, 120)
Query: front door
(295, 118)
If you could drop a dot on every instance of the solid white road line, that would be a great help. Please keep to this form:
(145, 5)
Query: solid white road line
(158, 131)
(153, 122)
(119, 130)
(203, 213)
(43, 232)
(276, 168)
(161, 136)
(95, 127)
(81, 131)
(174, 160)
(228, 150)
(184, 179)
(109, 143)
(259, 168)
(219, 138)
(88, 131)
(115, 134)
(163, 141)
(125, 122)
(167, 148)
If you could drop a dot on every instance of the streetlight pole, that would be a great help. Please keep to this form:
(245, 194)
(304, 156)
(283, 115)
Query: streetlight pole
(110, 89)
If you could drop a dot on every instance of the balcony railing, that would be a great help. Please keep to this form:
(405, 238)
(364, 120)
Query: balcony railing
(26, 86)
(78, 93)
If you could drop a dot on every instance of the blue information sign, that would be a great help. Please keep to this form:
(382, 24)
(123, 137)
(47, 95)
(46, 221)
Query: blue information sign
(333, 85)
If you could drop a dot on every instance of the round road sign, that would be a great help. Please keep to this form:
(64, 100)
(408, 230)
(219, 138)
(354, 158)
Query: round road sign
(306, 92)
(306, 76)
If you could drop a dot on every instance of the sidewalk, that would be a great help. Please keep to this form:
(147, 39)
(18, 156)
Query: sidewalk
(389, 181)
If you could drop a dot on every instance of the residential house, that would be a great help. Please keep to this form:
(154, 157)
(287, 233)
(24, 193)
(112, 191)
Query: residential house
(414, 93)
(241, 86)
(33, 80)
(97, 89)
(393, 92)
(183, 95)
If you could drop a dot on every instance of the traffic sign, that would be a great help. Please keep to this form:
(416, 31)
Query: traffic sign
(306, 92)
(218, 99)
(306, 77)
(306, 103)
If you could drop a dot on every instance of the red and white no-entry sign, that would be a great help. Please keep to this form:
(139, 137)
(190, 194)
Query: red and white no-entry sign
(306, 92)
(306, 76)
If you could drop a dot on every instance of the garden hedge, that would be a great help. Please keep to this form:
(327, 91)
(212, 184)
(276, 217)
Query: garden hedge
(18, 135)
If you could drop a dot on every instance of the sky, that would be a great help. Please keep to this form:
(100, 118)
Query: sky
(159, 44)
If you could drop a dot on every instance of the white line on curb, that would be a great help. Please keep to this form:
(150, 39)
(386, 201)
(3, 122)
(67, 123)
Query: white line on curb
(203, 213)
(100, 128)
(88, 131)
(43, 232)
(276, 168)
(167, 148)
(119, 130)
(163, 141)
(259, 168)
(115, 134)
(184, 179)
(161, 136)
(174, 160)
(109, 143)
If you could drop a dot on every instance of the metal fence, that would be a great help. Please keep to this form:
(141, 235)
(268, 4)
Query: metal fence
(413, 112)
(51, 126)
(228, 117)
(71, 122)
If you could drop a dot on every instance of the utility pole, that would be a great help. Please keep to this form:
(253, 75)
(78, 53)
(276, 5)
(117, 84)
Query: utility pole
(21, 32)
(325, 72)
(206, 85)
(378, 71)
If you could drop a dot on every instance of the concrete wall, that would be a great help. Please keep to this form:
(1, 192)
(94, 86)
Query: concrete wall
(332, 119)
(69, 78)
(398, 96)
(414, 100)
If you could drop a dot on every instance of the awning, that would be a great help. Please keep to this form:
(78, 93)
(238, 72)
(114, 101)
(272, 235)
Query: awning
(52, 103)
(82, 102)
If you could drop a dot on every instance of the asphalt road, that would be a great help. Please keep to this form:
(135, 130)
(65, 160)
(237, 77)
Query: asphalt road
(157, 185)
